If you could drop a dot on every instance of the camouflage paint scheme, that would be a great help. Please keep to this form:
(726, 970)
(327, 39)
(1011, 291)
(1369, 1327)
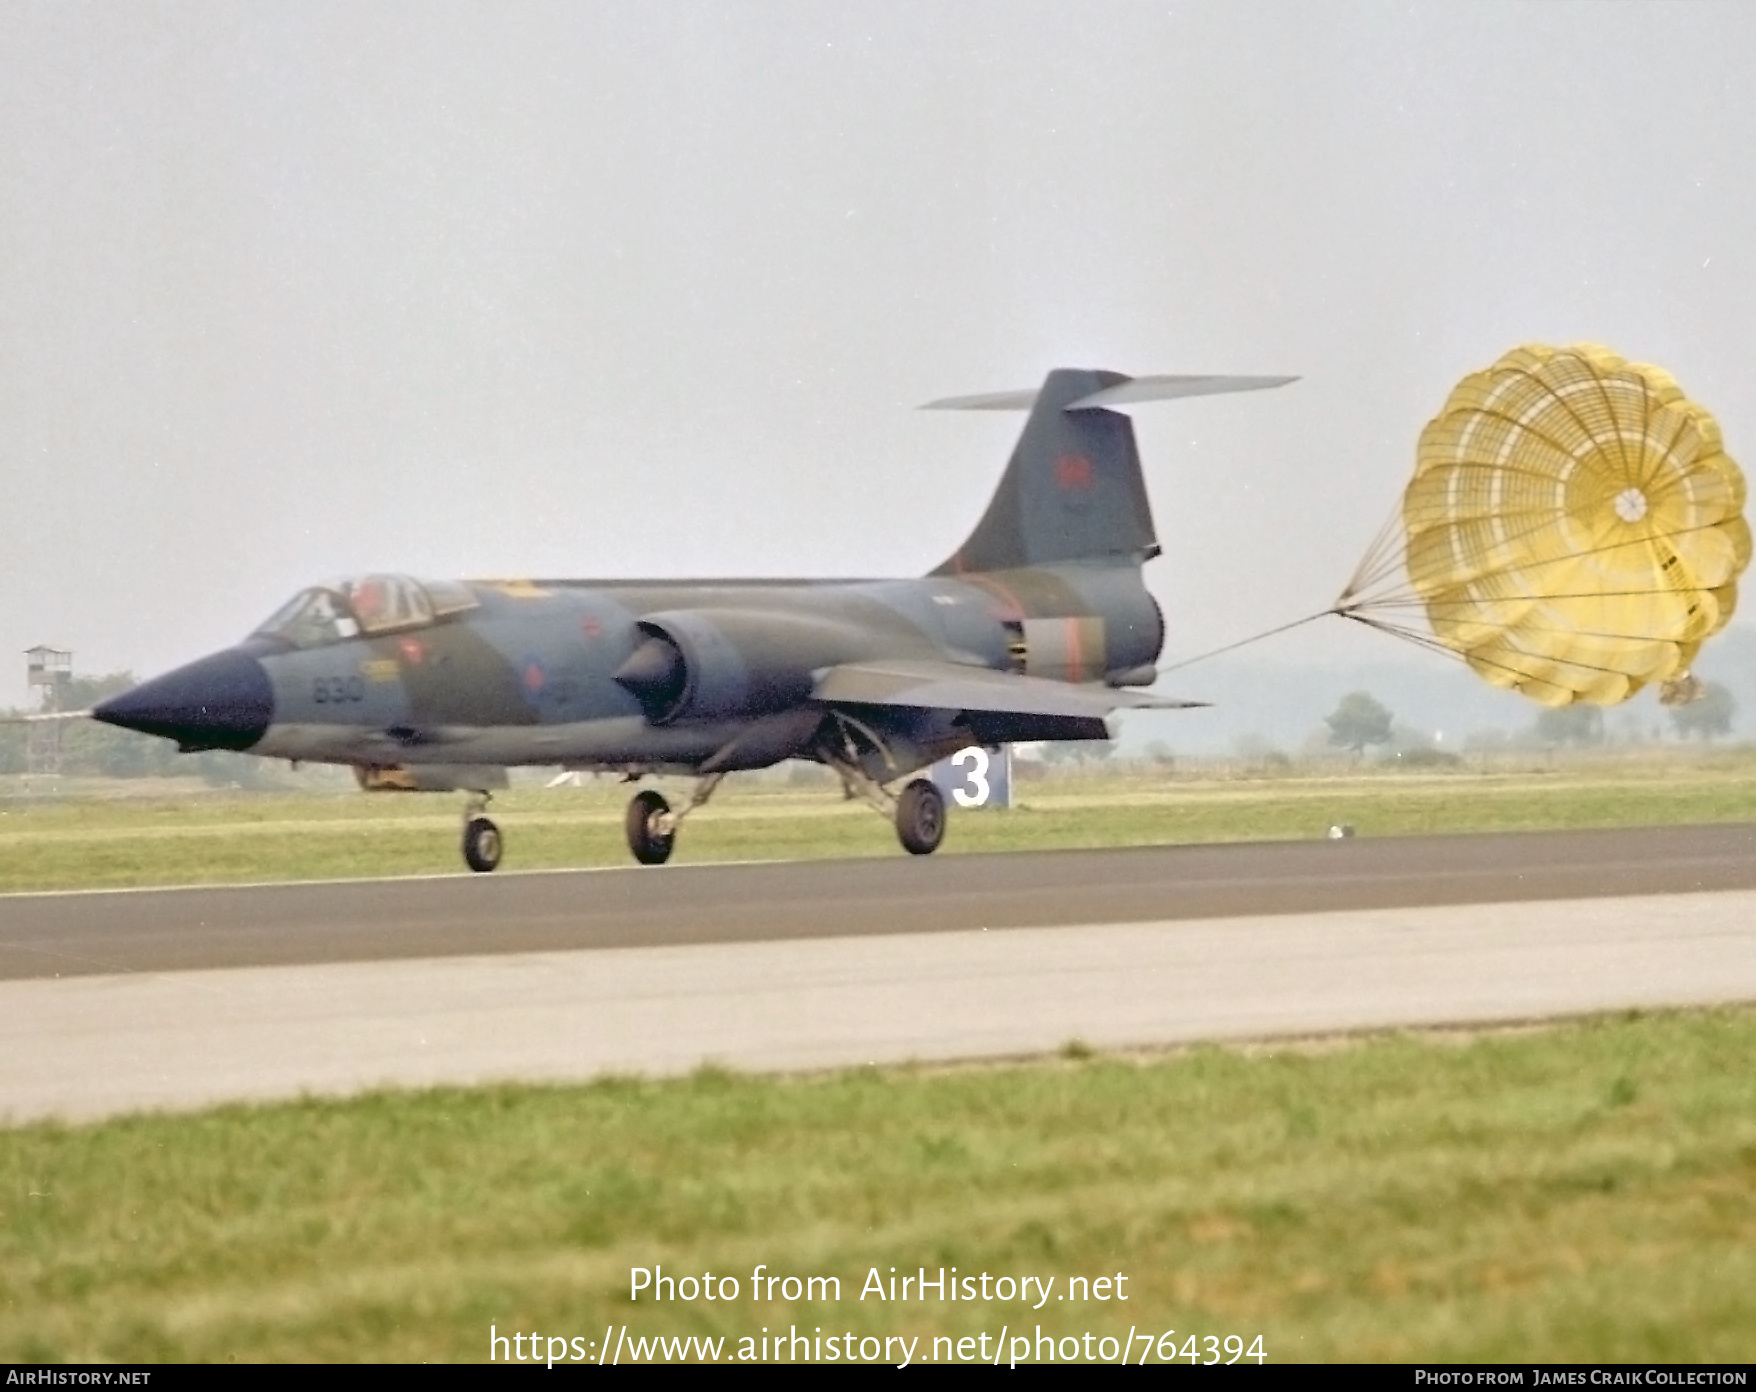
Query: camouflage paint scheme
(1036, 628)
(528, 676)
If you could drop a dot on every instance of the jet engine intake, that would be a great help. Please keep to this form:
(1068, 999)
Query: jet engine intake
(720, 664)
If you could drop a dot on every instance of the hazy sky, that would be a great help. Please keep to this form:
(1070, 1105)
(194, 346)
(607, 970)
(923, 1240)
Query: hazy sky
(297, 290)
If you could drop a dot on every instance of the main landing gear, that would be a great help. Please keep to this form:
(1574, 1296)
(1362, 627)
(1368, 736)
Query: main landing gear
(482, 845)
(920, 817)
(918, 812)
(651, 826)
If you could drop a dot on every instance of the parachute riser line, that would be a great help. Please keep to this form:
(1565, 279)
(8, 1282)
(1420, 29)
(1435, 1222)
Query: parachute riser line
(1246, 642)
(1432, 644)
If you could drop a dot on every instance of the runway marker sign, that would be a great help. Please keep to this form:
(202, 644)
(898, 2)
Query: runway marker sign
(976, 777)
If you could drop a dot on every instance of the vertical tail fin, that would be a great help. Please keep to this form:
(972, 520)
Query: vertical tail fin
(1073, 488)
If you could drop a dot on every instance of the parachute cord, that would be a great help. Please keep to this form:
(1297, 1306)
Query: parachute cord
(1376, 583)
(1383, 558)
(1245, 642)
(1432, 644)
(1354, 613)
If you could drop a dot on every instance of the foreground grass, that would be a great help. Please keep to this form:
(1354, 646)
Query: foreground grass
(93, 842)
(1585, 1191)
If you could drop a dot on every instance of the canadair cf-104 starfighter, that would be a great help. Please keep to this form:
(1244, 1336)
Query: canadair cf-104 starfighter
(1037, 628)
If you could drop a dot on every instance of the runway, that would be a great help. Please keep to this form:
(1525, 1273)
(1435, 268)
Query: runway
(46, 935)
(123, 1001)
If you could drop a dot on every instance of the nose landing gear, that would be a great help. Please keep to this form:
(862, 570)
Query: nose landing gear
(482, 844)
(650, 825)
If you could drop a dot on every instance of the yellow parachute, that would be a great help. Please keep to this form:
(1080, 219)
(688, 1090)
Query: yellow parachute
(1573, 530)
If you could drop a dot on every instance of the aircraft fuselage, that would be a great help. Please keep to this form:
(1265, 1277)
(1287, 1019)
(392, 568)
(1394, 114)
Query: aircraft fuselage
(1038, 627)
(528, 672)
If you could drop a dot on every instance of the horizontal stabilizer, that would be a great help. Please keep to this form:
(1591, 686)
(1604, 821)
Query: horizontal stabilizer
(1161, 387)
(952, 686)
(1168, 386)
(986, 401)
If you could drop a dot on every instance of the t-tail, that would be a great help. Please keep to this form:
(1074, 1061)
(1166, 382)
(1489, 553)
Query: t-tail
(1073, 490)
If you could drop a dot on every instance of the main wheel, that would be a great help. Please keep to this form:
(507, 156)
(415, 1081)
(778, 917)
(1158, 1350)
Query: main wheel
(920, 818)
(650, 845)
(481, 844)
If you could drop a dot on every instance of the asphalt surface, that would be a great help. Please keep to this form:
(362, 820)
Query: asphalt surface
(109, 933)
(91, 1046)
(117, 1002)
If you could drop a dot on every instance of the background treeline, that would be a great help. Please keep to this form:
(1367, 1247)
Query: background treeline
(92, 750)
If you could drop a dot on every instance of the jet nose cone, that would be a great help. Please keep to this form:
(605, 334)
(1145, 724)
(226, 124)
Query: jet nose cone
(221, 702)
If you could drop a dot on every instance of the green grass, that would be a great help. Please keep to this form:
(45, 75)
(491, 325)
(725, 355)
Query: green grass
(1580, 1192)
(94, 841)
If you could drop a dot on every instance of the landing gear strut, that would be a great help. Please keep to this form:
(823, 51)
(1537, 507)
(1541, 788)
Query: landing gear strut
(918, 812)
(482, 845)
(651, 826)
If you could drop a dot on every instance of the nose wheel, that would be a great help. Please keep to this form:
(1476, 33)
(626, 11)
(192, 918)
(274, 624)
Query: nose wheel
(482, 844)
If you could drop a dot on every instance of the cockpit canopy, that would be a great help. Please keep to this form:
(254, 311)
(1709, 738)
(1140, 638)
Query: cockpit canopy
(365, 606)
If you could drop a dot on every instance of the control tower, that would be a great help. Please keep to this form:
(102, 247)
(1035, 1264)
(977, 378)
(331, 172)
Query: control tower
(48, 673)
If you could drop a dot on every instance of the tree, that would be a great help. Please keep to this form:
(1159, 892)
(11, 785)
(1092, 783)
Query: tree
(1708, 716)
(1575, 724)
(1077, 751)
(1358, 721)
(89, 748)
(82, 693)
(13, 742)
(1160, 753)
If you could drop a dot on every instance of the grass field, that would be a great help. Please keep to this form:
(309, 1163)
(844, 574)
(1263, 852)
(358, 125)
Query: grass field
(92, 840)
(1586, 1191)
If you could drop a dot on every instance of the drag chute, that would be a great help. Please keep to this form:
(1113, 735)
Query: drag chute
(1574, 530)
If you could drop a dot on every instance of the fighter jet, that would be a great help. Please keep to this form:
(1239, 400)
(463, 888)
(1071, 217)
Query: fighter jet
(1038, 627)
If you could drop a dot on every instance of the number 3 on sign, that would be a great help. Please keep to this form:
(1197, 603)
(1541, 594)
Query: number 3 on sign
(975, 777)
(975, 758)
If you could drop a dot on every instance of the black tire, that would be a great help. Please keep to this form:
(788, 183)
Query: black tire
(650, 847)
(481, 844)
(920, 818)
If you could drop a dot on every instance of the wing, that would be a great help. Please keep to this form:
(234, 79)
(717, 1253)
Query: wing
(952, 686)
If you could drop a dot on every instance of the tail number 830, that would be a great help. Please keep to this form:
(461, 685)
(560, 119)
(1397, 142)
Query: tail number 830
(333, 691)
